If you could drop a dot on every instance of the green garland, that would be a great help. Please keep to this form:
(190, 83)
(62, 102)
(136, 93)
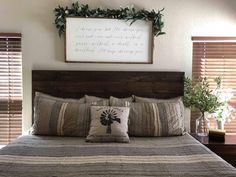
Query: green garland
(128, 14)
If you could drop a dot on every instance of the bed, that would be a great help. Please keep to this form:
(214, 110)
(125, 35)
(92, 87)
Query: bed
(54, 156)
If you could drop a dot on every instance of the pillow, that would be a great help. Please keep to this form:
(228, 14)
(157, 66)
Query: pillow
(61, 117)
(120, 101)
(90, 99)
(154, 119)
(108, 124)
(139, 99)
(39, 95)
(175, 100)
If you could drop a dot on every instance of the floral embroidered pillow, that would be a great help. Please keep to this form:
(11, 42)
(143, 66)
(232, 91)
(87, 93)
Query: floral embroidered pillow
(108, 124)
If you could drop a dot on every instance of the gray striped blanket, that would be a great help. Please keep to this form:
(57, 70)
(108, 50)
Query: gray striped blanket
(44, 156)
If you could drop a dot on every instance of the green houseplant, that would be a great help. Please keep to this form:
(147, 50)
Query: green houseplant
(199, 96)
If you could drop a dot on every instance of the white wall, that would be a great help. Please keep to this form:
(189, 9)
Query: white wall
(43, 49)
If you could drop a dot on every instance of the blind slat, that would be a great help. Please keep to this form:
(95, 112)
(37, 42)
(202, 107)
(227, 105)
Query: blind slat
(10, 87)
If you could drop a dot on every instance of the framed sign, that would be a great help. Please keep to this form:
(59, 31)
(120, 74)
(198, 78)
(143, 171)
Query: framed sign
(101, 40)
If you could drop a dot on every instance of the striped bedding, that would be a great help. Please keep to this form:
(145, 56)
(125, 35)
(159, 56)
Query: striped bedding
(44, 156)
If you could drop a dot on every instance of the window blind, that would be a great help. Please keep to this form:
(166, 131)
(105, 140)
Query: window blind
(10, 87)
(213, 57)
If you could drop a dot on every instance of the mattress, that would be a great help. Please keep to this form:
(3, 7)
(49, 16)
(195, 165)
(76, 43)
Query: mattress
(44, 156)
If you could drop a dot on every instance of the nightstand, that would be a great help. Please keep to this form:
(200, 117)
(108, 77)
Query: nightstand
(226, 150)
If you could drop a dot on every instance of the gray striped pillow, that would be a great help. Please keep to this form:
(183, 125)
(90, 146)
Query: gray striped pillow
(178, 100)
(155, 119)
(61, 117)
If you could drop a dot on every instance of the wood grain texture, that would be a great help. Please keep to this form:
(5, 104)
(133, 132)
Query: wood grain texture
(226, 149)
(74, 84)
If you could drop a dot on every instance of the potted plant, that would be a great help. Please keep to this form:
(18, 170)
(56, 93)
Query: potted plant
(199, 96)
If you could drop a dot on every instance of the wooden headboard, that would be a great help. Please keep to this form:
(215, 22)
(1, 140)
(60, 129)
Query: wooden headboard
(74, 84)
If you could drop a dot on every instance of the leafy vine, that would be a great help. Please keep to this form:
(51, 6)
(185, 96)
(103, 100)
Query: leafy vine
(127, 14)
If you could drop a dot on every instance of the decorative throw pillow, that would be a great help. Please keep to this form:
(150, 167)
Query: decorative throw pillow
(61, 117)
(108, 124)
(154, 119)
(178, 100)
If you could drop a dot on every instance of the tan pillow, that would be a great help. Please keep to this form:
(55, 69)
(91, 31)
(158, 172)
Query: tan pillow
(61, 117)
(108, 124)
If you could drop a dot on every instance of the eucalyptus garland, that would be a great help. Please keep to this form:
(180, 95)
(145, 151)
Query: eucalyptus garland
(127, 14)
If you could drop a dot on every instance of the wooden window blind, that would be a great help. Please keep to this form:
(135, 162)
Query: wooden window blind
(10, 87)
(213, 57)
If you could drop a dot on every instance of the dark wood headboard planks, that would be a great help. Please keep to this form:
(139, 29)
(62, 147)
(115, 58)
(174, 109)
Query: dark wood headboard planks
(74, 84)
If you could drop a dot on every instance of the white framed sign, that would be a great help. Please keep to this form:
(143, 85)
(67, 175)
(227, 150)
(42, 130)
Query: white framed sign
(101, 40)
